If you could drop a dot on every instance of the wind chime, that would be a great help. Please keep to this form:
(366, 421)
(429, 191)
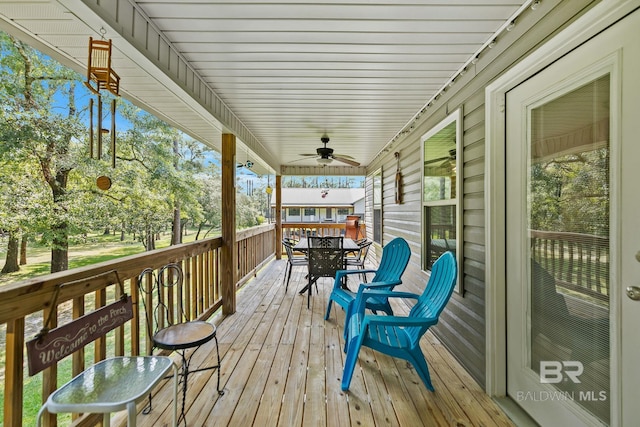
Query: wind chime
(398, 181)
(100, 76)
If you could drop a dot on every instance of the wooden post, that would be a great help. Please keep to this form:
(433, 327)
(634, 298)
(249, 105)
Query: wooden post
(278, 216)
(228, 262)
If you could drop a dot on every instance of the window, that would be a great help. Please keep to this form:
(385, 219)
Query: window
(342, 212)
(309, 211)
(441, 188)
(377, 206)
(328, 213)
(294, 211)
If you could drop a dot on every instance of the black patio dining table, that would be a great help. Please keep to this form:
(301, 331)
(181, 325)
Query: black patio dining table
(348, 246)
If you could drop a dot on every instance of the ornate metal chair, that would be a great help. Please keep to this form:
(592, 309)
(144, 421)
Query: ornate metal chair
(169, 326)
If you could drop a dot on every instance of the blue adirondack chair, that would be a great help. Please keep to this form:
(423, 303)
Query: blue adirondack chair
(399, 336)
(394, 260)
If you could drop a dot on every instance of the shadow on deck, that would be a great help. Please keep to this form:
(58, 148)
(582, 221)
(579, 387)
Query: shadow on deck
(282, 365)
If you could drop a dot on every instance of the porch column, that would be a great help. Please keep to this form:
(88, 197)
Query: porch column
(228, 260)
(278, 217)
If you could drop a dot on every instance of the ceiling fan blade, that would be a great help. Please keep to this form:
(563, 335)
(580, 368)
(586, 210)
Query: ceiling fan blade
(344, 156)
(298, 160)
(308, 155)
(347, 161)
(436, 160)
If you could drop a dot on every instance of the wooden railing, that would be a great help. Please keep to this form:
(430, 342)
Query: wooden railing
(296, 230)
(93, 287)
(579, 262)
(255, 246)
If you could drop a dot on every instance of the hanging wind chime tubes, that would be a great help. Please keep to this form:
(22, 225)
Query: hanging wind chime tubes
(101, 76)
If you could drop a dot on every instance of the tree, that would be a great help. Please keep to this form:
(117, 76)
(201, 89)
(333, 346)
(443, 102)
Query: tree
(34, 90)
(160, 163)
(210, 201)
(571, 193)
(22, 195)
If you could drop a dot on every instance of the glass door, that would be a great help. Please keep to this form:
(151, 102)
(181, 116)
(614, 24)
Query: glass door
(573, 233)
(563, 276)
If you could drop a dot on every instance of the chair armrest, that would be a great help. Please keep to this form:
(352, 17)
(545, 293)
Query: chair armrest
(366, 293)
(337, 283)
(366, 290)
(373, 285)
(373, 320)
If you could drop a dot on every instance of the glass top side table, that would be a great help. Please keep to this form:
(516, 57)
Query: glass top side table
(112, 385)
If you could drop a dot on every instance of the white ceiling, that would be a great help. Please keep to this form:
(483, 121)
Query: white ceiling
(290, 71)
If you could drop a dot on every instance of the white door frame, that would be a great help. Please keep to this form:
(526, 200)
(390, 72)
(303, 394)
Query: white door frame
(591, 23)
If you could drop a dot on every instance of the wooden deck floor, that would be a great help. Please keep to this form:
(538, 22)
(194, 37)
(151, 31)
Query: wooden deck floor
(282, 366)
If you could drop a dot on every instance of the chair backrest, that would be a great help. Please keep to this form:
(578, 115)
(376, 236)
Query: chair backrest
(436, 293)
(325, 242)
(394, 260)
(162, 297)
(364, 250)
(325, 256)
(288, 247)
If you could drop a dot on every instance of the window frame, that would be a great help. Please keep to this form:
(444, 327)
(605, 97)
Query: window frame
(457, 201)
(376, 176)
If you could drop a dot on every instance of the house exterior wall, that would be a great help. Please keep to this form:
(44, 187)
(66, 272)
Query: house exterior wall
(320, 214)
(316, 205)
(462, 324)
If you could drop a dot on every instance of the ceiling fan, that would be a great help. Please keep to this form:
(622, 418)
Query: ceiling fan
(325, 155)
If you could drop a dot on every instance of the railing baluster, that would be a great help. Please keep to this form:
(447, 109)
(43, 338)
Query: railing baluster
(50, 374)
(193, 287)
(148, 308)
(13, 373)
(119, 331)
(77, 358)
(200, 292)
(100, 349)
(205, 279)
(135, 322)
(216, 276)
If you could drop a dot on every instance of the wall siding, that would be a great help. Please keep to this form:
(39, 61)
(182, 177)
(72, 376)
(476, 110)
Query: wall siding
(462, 324)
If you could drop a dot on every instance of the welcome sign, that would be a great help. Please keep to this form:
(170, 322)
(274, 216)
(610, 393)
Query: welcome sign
(47, 349)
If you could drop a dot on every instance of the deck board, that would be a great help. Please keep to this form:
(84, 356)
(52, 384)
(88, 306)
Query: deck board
(282, 366)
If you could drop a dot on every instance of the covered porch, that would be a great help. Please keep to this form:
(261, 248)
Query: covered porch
(281, 361)
(282, 365)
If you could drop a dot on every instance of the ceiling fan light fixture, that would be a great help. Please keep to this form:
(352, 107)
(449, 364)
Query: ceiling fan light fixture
(324, 160)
